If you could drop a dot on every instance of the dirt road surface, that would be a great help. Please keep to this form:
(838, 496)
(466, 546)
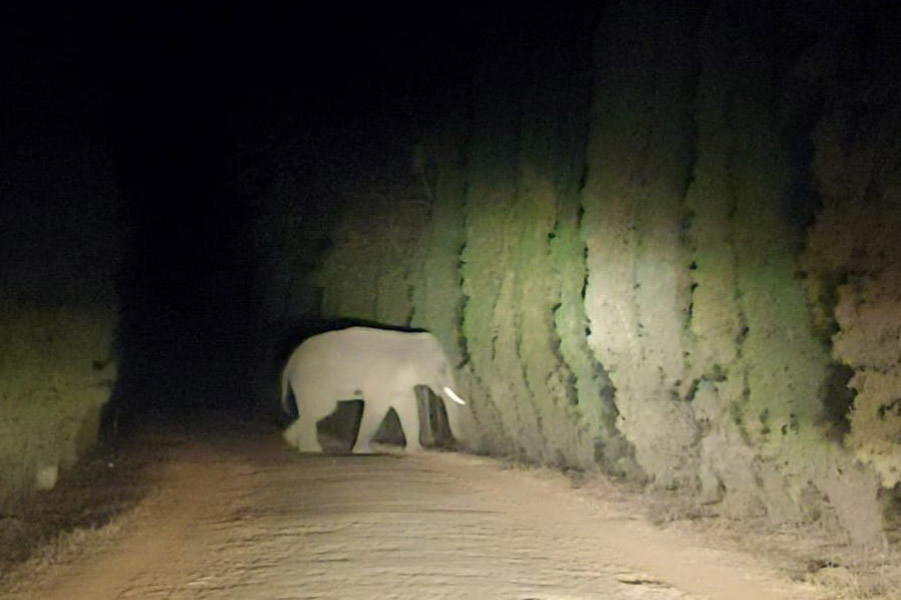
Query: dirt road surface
(244, 516)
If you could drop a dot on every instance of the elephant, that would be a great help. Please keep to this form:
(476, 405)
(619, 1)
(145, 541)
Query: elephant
(383, 367)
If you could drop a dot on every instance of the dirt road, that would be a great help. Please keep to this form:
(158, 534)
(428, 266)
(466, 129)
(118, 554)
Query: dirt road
(244, 516)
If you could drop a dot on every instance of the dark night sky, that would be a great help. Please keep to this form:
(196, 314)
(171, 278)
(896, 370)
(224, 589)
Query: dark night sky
(184, 87)
(174, 93)
(185, 92)
(180, 89)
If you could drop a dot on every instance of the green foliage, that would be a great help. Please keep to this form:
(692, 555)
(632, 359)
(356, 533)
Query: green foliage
(627, 292)
(57, 373)
(438, 299)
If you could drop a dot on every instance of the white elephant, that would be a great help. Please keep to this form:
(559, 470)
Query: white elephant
(380, 366)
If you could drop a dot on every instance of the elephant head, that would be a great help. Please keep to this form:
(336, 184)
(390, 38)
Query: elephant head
(439, 377)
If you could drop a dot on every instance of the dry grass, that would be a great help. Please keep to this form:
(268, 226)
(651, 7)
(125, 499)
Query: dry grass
(44, 527)
(65, 547)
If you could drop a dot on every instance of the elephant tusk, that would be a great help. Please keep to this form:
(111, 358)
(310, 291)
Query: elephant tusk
(453, 396)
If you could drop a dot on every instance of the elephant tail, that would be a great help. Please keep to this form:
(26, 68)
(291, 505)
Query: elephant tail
(286, 391)
(284, 396)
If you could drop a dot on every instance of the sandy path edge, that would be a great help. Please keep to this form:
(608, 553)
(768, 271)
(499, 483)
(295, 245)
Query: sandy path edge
(249, 518)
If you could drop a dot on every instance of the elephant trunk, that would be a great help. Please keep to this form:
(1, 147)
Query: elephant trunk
(454, 406)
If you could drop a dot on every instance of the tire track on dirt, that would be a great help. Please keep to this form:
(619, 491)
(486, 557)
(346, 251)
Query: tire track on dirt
(247, 517)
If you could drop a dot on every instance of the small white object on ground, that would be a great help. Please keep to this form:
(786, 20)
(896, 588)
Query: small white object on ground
(46, 477)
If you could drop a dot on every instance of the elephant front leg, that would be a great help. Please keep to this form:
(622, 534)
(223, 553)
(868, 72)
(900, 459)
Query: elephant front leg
(407, 410)
(374, 412)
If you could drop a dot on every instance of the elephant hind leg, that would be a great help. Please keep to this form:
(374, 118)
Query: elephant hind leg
(292, 433)
(374, 412)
